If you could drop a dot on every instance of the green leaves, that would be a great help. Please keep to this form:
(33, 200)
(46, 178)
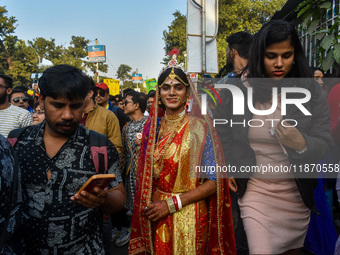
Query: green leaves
(336, 53)
(242, 15)
(326, 5)
(327, 47)
(313, 26)
(327, 42)
(328, 61)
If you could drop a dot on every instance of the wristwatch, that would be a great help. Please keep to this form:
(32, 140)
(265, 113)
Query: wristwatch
(302, 151)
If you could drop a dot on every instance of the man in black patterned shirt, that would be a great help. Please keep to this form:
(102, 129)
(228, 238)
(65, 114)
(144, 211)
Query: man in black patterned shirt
(56, 160)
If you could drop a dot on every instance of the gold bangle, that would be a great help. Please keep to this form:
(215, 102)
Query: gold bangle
(171, 205)
(167, 202)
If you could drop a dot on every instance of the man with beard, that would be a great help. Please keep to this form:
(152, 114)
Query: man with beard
(11, 116)
(56, 160)
(237, 54)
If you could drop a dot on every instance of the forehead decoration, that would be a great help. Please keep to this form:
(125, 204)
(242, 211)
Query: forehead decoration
(173, 64)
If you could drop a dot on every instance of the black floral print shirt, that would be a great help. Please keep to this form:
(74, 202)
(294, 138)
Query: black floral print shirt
(55, 224)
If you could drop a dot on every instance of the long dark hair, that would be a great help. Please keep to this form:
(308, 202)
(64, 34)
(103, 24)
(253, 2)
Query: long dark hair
(275, 31)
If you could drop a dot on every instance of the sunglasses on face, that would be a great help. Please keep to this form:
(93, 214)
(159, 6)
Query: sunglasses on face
(4, 86)
(101, 92)
(17, 99)
(128, 101)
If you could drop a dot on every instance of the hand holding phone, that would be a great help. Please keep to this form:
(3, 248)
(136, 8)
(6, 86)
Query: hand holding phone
(94, 198)
(100, 180)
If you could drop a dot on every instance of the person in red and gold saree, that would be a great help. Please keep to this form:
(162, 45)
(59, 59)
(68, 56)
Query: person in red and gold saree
(175, 213)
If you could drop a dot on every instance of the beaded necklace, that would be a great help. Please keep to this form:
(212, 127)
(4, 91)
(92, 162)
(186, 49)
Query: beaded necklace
(169, 126)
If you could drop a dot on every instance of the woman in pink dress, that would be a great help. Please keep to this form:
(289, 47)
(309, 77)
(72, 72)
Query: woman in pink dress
(275, 203)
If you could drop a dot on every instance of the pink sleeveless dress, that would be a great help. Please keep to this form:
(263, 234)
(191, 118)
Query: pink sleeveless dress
(273, 213)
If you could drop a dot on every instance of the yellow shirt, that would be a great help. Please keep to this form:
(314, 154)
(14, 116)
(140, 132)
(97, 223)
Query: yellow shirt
(105, 122)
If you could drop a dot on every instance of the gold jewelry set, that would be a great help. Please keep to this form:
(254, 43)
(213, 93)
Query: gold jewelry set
(169, 125)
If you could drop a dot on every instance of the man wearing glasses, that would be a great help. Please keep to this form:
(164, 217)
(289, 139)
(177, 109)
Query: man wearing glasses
(19, 98)
(102, 98)
(11, 116)
(135, 105)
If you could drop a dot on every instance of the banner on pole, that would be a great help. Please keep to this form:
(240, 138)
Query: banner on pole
(151, 84)
(97, 53)
(114, 86)
(137, 78)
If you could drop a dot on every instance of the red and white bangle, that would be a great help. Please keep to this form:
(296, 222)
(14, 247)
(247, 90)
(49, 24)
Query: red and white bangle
(179, 201)
(175, 202)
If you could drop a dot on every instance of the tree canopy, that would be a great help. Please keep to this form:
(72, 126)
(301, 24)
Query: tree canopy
(234, 16)
(20, 59)
(175, 37)
(123, 72)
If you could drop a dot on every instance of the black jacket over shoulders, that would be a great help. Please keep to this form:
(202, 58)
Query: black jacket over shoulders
(314, 128)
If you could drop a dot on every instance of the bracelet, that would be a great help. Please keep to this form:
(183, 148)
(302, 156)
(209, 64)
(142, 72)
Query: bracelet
(175, 202)
(302, 151)
(171, 205)
(167, 202)
(179, 201)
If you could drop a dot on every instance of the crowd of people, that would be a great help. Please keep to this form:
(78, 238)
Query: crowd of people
(72, 128)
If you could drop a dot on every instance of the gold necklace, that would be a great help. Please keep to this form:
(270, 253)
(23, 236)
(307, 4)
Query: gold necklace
(163, 131)
(175, 116)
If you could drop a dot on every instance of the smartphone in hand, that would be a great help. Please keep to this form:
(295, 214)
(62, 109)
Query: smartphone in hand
(99, 180)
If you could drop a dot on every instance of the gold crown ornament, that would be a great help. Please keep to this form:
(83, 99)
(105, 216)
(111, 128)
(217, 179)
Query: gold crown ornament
(174, 64)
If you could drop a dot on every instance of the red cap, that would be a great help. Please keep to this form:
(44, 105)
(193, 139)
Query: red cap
(102, 86)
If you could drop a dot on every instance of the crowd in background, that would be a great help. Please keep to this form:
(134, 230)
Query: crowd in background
(150, 142)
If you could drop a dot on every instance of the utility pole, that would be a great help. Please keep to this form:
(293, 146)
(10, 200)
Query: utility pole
(97, 66)
(137, 81)
(204, 56)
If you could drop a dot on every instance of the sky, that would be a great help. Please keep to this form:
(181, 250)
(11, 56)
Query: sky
(131, 30)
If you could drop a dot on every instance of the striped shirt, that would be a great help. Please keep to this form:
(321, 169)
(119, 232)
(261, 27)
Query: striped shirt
(14, 117)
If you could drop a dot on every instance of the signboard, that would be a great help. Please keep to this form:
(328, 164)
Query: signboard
(36, 76)
(97, 53)
(137, 78)
(151, 84)
(113, 85)
(194, 37)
